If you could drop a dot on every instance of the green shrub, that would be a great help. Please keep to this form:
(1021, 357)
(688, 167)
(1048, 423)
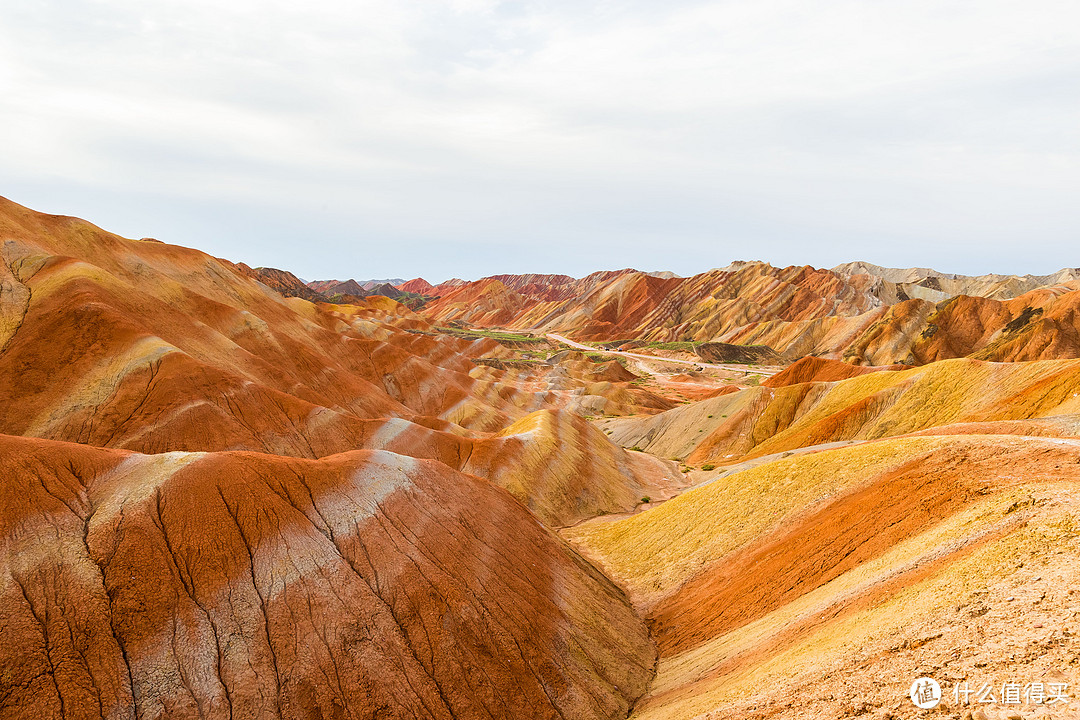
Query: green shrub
(708, 466)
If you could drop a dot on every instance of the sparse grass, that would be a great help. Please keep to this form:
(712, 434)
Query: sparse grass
(676, 346)
(494, 335)
(503, 364)
(605, 357)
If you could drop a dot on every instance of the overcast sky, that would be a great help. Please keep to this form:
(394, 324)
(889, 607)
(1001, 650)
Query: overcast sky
(381, 138)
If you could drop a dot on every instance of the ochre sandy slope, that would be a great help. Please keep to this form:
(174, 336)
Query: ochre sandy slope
(363, 585)
(829, 570)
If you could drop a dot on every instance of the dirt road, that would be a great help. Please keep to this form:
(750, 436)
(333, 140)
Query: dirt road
(639, 356)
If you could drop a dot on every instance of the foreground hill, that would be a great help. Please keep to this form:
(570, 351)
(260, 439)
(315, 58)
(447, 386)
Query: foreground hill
(364, 585)
(847, 313)
(822, 585)
(864, 526)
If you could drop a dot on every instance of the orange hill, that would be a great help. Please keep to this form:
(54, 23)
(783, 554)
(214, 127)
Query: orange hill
(248, 585)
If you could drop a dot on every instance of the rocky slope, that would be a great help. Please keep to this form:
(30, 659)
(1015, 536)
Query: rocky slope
(283, 282)
(351, 290)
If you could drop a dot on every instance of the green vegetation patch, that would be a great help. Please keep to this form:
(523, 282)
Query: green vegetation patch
(500, 336)
(676, 346)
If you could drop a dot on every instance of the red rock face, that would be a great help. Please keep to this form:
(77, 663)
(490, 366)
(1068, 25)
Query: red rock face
(811, 369)
(365, 585)
(282, 281)
(627, 303)
(417, 285)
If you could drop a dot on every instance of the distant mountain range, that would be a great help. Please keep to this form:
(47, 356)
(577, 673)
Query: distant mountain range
(858, 312)
(351, 287)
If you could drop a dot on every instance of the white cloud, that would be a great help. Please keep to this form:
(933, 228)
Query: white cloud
(476, 136)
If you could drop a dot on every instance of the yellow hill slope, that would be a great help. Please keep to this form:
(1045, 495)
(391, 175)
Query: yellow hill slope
(565, 470)
(761, 421)
(814, 569)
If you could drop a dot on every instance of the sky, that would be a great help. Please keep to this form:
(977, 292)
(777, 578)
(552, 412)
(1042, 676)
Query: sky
(463, 138)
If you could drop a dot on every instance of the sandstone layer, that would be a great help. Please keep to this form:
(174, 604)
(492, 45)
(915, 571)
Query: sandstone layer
(365, 585)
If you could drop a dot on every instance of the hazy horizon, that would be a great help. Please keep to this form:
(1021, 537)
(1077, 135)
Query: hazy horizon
(470, 138)
(438, 279)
